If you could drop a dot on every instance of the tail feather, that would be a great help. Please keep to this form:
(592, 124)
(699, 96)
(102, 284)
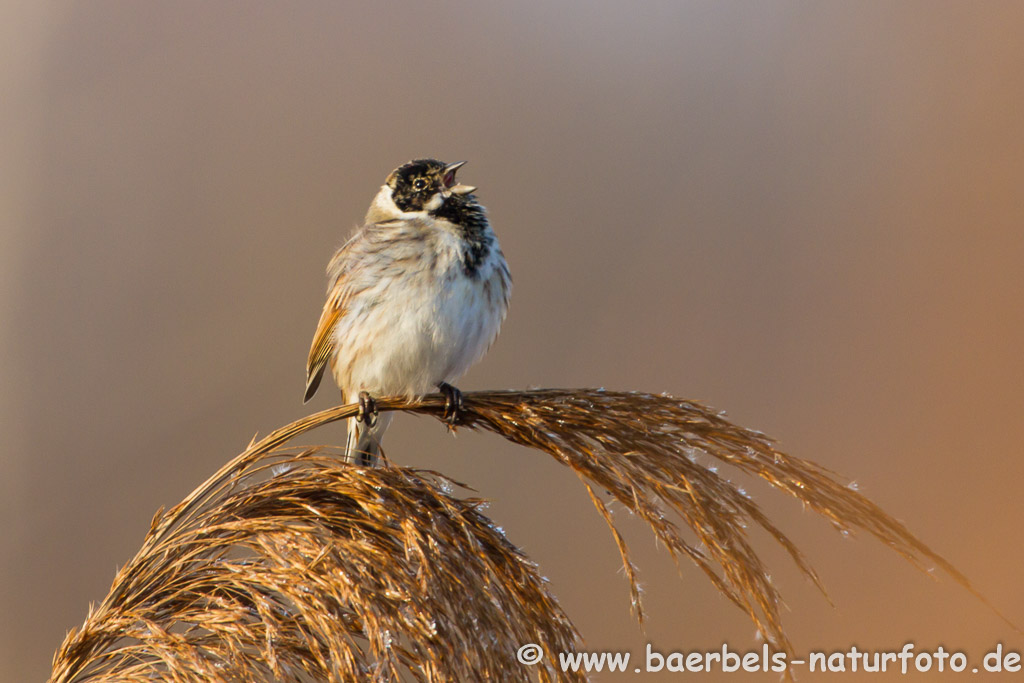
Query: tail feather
(363, 445)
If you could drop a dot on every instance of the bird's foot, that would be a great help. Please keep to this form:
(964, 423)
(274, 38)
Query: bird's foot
(367, 409)
(452, 403)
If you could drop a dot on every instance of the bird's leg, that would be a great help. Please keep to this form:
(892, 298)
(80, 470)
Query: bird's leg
(367, 410)
(452, 403)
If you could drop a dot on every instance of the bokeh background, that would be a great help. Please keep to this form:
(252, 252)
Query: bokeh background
(808, 214)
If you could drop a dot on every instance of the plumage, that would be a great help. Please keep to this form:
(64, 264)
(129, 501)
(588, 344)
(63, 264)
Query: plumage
(323, 347)
(415, 296)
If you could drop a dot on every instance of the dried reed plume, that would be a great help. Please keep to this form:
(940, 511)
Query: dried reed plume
(290, 565)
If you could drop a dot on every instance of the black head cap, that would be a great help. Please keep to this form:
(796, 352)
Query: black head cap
(414, 184)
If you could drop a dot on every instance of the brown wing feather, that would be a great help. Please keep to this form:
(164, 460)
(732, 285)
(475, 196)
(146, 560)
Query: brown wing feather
(323, 346)
(338, 295)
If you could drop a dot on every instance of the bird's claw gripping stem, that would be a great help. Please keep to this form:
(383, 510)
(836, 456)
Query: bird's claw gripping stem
(452, 403)
(367, 409)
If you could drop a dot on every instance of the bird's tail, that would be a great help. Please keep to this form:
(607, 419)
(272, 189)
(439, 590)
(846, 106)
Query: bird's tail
(363, 445)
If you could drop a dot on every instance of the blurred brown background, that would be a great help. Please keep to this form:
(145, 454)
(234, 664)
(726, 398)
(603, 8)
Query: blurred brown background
(808, 214)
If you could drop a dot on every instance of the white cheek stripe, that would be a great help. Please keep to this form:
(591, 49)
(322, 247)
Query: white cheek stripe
(384, 209)
(435, 202)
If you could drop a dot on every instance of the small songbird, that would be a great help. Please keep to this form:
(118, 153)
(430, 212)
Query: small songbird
(414, 298)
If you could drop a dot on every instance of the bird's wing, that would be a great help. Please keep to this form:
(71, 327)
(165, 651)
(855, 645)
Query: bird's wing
(323, 346)
(337, 302)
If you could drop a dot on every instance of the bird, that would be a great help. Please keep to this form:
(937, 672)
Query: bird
(415, 296)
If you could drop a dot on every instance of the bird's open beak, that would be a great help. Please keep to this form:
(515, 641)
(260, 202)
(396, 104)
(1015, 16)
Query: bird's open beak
(449, 179)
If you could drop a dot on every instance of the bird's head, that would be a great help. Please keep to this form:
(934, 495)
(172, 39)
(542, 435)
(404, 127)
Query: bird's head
(420, 186)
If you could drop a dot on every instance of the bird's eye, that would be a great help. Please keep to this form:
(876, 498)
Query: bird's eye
(419, 183)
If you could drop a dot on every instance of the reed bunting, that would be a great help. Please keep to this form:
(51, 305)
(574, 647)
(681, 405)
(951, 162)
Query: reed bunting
(414, 298)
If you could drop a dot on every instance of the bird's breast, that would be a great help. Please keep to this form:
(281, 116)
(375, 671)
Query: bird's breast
(422, 319)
